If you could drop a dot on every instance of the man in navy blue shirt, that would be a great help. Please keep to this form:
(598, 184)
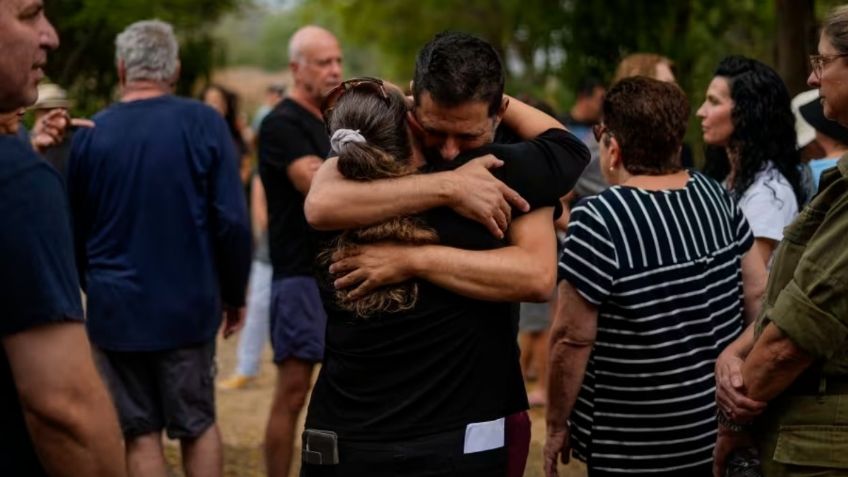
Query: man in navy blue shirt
(163, 247)
(55, 414)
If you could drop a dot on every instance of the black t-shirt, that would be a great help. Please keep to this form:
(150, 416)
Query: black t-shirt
(451, 360)
(288, 133)
(38, 279)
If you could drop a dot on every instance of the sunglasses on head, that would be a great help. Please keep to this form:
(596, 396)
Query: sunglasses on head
(374, 85)
(598, 131)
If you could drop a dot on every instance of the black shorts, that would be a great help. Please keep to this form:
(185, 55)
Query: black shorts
(155, 390)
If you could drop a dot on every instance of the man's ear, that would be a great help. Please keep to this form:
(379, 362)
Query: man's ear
(177, 72)
(501, 110)
(414, 125)
(122, 72)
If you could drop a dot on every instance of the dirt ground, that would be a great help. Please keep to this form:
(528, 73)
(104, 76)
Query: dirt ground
(242, 415)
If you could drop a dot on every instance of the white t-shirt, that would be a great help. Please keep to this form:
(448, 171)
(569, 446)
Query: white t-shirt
(769, 204)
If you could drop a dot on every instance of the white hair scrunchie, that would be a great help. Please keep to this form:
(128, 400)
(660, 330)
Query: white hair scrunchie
(343, 137)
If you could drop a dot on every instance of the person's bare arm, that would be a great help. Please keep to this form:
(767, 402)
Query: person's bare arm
(302, 171)
(765, 247)
(573, 334)
(523, 271)
(335, 203)
(67, 409)
(258, 206)
(775, 361)
(754, 279)
(526, 121)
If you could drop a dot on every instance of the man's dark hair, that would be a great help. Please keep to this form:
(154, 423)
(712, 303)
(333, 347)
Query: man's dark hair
(456, 68)
(648, 119)
(586, 87)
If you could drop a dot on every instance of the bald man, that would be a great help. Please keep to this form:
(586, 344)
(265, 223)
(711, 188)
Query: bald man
(293, 143)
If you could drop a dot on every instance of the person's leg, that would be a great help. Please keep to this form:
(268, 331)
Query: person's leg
(517, 427)
(539, 343)
(525, 344)
(254, 335)
(202, 456)
(293, 381)
(145, 457)
(131, 380)
(186, 382)
(298, 325)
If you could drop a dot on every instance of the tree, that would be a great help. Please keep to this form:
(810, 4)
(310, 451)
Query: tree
(84, 63)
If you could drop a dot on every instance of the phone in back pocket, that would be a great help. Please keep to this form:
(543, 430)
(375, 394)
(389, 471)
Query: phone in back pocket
(320, 447)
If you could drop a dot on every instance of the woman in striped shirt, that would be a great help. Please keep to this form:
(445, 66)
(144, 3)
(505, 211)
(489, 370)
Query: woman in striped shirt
(651, 290)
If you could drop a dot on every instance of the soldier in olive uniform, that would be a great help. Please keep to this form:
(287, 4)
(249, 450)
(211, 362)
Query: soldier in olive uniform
(783, 385)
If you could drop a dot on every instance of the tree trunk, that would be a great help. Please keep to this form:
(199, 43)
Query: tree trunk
(796, 39)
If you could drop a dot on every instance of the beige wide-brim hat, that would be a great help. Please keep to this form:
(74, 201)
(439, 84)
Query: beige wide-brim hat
(51, 96)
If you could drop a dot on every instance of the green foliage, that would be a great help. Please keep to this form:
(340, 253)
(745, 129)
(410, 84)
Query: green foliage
(84, 62)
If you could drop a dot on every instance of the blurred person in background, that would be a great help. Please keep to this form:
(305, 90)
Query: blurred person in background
(274, 93)
(651, 65)
(831, 136)
(585, 113)
(749, 129)
(227, 104)
(254, 335)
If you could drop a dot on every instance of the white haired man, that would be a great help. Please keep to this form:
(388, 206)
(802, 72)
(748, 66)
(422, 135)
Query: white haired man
(57, 419)
(163, 244)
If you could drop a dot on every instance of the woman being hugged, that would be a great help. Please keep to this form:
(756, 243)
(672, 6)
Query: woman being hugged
(749, 127)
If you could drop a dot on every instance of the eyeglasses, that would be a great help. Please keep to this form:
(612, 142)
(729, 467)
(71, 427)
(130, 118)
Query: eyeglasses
(598, 130)
(818, 62)
(372, 84)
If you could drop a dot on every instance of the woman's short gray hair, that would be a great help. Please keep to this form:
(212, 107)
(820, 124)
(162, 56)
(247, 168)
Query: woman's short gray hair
(149, 51)
(835, 28)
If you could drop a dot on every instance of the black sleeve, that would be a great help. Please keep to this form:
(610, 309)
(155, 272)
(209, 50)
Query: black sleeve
(542, 169)
(37, 261)
(283, 140)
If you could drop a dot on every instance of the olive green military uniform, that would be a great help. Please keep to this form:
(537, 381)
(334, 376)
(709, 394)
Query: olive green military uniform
(804, 431)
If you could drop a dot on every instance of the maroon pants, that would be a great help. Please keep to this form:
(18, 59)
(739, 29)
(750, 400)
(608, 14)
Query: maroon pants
(517, 429)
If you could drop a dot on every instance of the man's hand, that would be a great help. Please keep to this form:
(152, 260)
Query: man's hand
(730, 389)
(483, 198)
(371, 267)
(557, 448)
(233, 321)
(50, 129)
(728, 442)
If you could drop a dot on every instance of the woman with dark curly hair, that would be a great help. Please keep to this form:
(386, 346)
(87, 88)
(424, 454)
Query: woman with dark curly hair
(750, 130)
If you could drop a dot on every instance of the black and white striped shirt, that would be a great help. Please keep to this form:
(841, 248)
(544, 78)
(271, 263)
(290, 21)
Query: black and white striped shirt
(663, 267)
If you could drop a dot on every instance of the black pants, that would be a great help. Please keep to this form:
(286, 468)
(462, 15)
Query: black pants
(430, 456)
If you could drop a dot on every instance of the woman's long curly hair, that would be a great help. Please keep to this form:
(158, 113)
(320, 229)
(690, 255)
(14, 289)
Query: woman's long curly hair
(763, 127)
(384, 153)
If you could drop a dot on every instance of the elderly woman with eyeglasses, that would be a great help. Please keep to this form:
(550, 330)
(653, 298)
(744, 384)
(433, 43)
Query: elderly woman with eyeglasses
(651, 288)
(783, 385)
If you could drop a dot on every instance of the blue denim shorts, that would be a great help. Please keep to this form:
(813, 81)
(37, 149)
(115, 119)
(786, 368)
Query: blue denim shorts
(298, 320)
